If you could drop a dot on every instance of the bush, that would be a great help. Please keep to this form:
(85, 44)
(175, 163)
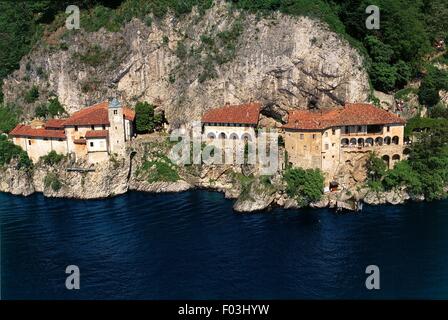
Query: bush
(432, 83)
(403, 175)
(9, 151)
(305, 186)
(32, 95)
(161, 169)
(376, 168)
(52, 158)
(146, 120)
(52, 180)
(55, 108)
(94, 56)
(8, 118)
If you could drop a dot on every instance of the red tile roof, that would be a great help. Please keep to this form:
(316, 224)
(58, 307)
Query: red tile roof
(96, 115)
(22, 130)
(129, 114)
(79, 141)
(55, 124)
(244, 114)
(97, 134)
(350, 114)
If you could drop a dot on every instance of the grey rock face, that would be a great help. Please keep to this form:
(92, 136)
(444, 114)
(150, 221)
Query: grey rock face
(284, 62)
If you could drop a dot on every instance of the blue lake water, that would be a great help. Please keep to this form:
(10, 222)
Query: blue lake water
(193, 246)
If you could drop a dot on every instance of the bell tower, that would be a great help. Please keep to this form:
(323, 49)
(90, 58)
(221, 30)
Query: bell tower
(116, 129)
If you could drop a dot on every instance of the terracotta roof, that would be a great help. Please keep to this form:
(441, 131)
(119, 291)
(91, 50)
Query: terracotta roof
(244, 114)
(79, 141)
(129, 114)
(55, 124)
(22, 130)
(97, 134)
(350, 114)
(96, 115)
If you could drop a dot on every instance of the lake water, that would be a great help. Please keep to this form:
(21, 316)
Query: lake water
(193, 246)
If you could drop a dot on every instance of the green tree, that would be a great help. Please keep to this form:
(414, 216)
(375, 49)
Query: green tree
(8, 118)
(9, 151)
(32, 95)
(146, 120)
(305, 186)
(55, 108)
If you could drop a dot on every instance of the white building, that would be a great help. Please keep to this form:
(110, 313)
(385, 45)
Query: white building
(92, 133)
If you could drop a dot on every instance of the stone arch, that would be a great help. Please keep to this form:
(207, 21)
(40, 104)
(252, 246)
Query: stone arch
(386, 159)
(222, 135)
(211, 136)
(369, 141)
(396, 157)
(395, 140)
(246, 137)
(353, 141)
(361, 142)
(406, 151)
(233, 136)
(387, 140)
(379, 141)
(344, 142)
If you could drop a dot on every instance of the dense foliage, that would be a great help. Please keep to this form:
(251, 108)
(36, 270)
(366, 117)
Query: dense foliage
(8, 118)
(305, 186)
(51, 109)
(146, 120)
(52, 158)
(52, 181)
(9, 151)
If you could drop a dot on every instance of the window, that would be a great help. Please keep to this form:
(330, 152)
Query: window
(29, 142)
(314, 136)
(324, 157)
(388, 128)
(326, 133)
(92, 127)
(115, 111)
(104, 127)
(76, 128)
(333, 131)
(332, 157)
(332, 144)
(91, 144)
(359, 128)
(301, 136)
(327, 146)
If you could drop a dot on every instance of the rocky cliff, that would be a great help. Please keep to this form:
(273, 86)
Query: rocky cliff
(188, 64)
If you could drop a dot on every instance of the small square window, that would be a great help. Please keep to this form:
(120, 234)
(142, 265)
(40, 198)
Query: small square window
(91, 144)
(115, 111)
